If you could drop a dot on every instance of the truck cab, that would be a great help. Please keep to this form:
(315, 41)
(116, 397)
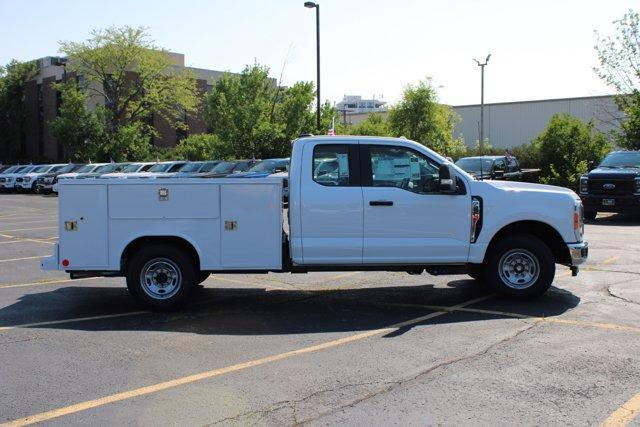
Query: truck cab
(355, 203)
(612, 186)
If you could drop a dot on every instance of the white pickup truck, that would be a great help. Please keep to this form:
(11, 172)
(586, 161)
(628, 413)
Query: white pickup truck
(355, 203)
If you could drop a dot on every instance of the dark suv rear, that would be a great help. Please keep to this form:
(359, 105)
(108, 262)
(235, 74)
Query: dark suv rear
(614, 186)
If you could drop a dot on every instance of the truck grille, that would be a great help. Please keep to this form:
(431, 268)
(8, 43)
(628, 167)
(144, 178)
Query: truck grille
(597, 186)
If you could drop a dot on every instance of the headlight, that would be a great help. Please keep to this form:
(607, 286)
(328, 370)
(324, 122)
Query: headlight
(584, 184)
(578, 221)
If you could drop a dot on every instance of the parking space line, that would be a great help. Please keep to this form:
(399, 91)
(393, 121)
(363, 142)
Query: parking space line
(22, 259)
(118, 397)
(21, 240)
(27, 229)
(522, 316)
(47, 282)
(73, 320)
(610, 260)
(625, 413)
(28, 222)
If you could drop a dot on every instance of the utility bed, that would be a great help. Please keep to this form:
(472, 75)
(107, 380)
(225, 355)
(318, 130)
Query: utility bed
(233, 224)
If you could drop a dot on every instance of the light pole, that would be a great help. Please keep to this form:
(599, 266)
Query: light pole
(311, 5)
(482, 65)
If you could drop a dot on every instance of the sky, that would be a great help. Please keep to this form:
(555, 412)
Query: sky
(540, 49)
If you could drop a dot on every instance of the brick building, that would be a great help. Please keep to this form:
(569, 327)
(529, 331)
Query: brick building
(42, 102)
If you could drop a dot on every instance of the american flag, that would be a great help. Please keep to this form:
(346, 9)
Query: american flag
(332, 129)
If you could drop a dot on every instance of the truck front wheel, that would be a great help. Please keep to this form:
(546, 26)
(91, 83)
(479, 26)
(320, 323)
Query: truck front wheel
(160, 276)
(520, 266)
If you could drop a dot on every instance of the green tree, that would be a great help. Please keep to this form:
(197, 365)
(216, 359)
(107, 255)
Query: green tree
(134, 78)
(619, 66)
(13, 78)
(373, 125)
(419, 117)
(255, 117)
(201, 147)
(77, 128)
(566, 146)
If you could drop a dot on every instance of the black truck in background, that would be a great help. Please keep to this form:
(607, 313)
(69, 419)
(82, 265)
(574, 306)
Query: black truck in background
(496, 167)
(612, 186)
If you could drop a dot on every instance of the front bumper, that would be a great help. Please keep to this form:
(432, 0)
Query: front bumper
(622, 203)
(579, 252)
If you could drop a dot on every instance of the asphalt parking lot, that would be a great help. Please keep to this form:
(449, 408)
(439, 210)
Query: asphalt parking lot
(324, 348)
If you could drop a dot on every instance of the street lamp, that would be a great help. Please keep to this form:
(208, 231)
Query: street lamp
(482, 65)
(311, 5)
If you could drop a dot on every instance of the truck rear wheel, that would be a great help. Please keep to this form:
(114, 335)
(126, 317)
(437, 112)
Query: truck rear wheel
(520, 266)
(160, 277)
(590, 215)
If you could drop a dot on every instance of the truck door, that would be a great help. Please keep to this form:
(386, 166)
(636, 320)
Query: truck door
(406, 219)
(331, 204)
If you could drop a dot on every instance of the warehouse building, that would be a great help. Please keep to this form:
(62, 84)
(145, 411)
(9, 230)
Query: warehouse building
(509, 124)
(42, 103)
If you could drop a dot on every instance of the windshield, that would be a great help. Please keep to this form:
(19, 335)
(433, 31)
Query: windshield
(470, 164)
(111, 167)
(176, 167)
(64, 169)
(208, 167)
(268, 166)
(86, 168)
(26, 169)
(41, 169)
(223, 167)
(191, 167)
(159, 167)
(132, 168)
(622, 160)
(14, 169)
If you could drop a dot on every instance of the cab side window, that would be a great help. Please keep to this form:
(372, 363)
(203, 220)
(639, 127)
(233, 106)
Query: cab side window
(331, 165)
(512, 165)
(499, 166)
(403, 168)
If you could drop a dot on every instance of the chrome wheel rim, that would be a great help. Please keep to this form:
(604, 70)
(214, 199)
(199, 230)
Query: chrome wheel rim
(519, 269)
(160, 278)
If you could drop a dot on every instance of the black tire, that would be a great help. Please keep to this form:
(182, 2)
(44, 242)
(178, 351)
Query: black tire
(590, 215)
(475, 271)
(532, 262)
(179, 277)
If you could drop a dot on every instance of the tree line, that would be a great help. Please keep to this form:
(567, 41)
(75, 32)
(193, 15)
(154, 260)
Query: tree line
(251, 115)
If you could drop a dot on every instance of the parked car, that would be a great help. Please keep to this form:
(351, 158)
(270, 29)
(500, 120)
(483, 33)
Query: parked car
(130, 168)
(392, 215)
(226, 168)
(612, 186)
(88, 168)
(45, 183)
(101, 170)
(8, 178)
(192, 169)
(495, 167)
(265, 168)
(157, 169)
(28, 181)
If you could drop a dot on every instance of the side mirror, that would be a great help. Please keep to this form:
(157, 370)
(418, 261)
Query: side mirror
(591, 165)
(447, 178)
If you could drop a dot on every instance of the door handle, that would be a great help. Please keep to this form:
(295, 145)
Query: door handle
(380, 203)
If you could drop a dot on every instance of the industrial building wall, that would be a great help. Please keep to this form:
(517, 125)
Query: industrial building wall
(511, 124)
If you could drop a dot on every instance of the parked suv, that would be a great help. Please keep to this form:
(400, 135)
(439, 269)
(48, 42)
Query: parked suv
(27, 182)
(44, 183)
(613, 186)
(8, 177)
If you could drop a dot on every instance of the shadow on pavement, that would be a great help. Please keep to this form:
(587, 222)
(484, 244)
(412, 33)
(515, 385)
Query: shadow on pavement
(256, 311)
(617, 219)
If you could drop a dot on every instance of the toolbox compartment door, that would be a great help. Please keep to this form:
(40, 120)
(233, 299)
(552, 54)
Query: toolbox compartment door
(83, 227)
(251, 226)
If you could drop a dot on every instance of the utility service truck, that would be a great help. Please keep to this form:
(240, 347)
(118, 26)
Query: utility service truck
(355, 203)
